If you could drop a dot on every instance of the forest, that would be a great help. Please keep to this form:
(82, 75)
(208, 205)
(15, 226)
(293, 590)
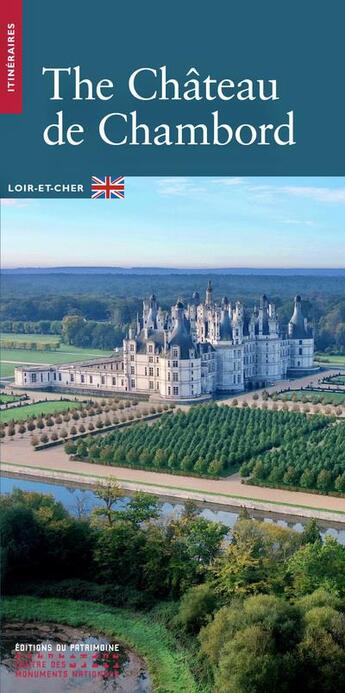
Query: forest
(117, 298)
(259, 609)
(270, 447)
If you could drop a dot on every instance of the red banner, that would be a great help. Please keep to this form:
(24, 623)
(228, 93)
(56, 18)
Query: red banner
(11, 57)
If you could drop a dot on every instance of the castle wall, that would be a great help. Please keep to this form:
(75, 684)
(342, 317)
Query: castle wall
(270, 362)
(230, 372)
(301, 353)
(180, 378)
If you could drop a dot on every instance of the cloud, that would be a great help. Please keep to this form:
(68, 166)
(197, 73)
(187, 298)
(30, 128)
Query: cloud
(231, 180)
(310, 192)
(14, 202)
(298, 222)
(182, 185)
(178, 186)
(265, 193)
(316, 193)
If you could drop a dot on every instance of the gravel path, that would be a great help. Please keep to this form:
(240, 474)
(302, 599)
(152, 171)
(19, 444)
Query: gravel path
(55, 460)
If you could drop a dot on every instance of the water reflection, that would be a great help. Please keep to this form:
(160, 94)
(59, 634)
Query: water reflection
(80, 501)
(35, 657)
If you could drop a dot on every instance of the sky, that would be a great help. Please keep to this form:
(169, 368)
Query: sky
(184, 222)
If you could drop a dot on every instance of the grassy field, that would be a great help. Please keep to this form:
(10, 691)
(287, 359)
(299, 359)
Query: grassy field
(167, 662)
(10, 358)
(31, 337)
(7, 399)
(38, 409)
(313, 396)
(6, 369)
(338, 359)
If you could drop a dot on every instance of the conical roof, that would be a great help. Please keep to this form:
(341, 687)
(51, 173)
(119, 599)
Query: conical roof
(225, 327)
(180, 335)
(297, 328)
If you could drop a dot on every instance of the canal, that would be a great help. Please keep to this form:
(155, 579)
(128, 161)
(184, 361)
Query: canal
(79, 500)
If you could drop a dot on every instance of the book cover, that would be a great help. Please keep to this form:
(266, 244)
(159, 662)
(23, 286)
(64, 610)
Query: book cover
(172, 385)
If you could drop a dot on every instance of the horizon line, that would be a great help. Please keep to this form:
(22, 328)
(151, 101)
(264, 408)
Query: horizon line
(174, 267)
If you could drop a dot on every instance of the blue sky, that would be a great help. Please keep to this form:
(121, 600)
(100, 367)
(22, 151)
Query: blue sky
(184, 222)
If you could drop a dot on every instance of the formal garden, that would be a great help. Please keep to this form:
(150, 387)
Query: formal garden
(208, 440)
(335, 379)
(6, 399)
(52, 422)
(311, 462)
(314, 396)
(37, 410)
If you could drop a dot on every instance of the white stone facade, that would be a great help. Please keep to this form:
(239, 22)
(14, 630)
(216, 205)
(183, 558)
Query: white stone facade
(190, 353)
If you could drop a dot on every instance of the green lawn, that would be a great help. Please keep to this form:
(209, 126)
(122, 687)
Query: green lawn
(7, 399)
(64, 354)
(314, 396)
(166, 660)
(6, 369)
(38, 409)
(338, 359)
(18, 337)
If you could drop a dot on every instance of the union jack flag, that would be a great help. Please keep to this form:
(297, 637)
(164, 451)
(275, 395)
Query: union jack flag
(108, 187)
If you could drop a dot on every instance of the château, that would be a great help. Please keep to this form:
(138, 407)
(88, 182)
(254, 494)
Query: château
(191, 352)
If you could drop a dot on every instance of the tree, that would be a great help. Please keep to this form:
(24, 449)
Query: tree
(187, 463)
(190, 509)
(20, 541)
(159, 459)
(110, 492)
(311, 532)
(250, 644)
(340, 483)
(203, 538)
(41, 539)
(324, 480)
(255, 560)
(318, 565)
(322, 648)
(116, 552)
(71, 447)
(249, 663)
(196, 607)
(141, 507)
(71, 326)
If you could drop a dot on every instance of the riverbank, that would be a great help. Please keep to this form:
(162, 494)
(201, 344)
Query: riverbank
(167, 661)
(228, 492)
